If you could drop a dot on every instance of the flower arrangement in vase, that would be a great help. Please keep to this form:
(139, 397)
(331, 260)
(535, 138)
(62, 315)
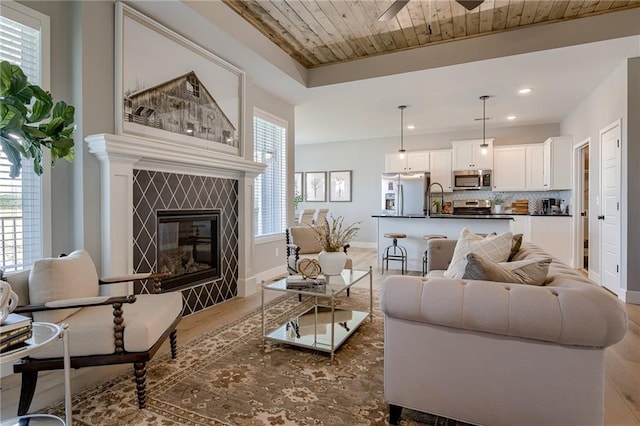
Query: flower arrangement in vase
(334, 237)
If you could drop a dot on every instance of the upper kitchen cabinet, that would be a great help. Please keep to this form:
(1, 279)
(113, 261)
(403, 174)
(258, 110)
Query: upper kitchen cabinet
(441, 169)
(416, 161)
(535, 167)
(557, 164)
(509, 168)
(467, 155)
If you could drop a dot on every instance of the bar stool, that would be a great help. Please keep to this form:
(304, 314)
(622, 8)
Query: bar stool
(394, 252)
(424, 256)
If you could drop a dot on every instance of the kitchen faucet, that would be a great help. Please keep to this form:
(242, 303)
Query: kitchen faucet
(429, 195)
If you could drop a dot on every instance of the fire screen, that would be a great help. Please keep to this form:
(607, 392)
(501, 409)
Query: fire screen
(188, 246)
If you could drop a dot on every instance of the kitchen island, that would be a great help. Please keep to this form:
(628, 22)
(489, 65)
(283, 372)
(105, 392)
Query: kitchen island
(416, 226)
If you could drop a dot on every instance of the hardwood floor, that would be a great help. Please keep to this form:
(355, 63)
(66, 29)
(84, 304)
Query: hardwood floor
(622, 363)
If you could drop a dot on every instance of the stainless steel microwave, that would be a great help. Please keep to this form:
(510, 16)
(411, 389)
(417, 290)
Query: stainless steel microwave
(471, 179)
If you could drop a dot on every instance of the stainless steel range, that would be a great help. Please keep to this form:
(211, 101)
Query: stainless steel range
(472, 207)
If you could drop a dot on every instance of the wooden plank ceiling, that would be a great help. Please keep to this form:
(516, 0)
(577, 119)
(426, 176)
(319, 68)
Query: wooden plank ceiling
(322, 32)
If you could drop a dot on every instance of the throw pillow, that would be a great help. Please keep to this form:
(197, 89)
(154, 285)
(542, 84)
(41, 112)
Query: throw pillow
(515, 246)
(529, 271)
(69, 277)
(493, 247)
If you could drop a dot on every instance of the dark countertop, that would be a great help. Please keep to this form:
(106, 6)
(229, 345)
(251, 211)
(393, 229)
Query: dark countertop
(554, 214)
(447, 216)
(505, 216)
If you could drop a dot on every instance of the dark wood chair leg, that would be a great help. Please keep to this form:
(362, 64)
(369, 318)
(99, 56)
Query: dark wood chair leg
(394, 414)
(174, 344)
(140, 370)
(27, 390)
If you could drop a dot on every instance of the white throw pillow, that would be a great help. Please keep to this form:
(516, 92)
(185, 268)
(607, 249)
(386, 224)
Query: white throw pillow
(68, 277)
(495, 248)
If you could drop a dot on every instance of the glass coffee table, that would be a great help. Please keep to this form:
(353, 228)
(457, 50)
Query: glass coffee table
(324, 326)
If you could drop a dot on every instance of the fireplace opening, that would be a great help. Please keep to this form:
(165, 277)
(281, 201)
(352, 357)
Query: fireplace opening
(188, 247)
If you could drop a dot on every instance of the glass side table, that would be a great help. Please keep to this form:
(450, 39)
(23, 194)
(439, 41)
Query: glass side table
(44, 334)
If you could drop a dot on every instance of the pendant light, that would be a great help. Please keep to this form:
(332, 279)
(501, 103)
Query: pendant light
(484, 147)
(402, 150)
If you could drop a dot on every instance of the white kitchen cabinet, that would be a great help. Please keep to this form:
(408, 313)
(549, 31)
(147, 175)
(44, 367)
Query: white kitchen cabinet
(440, 168)
(521, 224)
(535, 167)
(554, 235)
(394, 164)
(415, 161)
(467, 155)
(557, 166)
(418, 161)
(509, 168)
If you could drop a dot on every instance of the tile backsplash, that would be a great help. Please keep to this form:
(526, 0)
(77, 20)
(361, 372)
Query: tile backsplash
(534, 197)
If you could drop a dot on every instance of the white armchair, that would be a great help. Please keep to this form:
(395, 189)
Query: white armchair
(103, 330)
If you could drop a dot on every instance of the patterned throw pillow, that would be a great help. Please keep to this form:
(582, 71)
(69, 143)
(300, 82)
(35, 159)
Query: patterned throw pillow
(529, 271)
(495, 248)
(515, 246)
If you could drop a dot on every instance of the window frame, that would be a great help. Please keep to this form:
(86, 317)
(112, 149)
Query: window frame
(37, 20)
(278, 121)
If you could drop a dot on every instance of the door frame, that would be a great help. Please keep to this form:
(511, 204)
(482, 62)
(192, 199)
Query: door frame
(578, 237)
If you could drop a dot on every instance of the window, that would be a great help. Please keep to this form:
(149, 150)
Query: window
(23, 211)
(270, 191)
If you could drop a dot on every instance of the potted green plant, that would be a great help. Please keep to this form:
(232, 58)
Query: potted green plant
(498, 201)
(333, 235)
(30, 121)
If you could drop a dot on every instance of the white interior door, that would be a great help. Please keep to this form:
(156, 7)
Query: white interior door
(610, 207)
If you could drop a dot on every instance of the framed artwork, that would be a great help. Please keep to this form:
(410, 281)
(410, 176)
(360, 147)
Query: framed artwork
(340, 185)
(297, 184)
(172, 89)
(315, 186)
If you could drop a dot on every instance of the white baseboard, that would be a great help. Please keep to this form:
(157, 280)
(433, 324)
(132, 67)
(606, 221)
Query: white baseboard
(632, 297)
(270, 274)
(364, 244)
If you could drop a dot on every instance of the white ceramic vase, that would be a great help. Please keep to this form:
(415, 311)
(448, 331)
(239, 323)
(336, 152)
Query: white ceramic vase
(497, 208)
(332, 263)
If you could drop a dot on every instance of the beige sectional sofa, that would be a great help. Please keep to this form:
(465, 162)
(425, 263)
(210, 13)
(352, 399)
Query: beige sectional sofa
(496, 353)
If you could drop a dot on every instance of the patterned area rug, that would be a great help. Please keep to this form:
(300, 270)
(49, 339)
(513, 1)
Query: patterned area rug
(225, 377)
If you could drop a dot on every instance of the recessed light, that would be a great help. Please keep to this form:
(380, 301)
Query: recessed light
(525, 91)
(511, 117)
(411, 127)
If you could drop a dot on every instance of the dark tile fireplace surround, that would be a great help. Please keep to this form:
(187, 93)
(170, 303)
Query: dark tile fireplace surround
(161, 191)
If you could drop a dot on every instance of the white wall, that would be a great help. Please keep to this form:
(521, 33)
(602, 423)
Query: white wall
(366, 159)
(615, 98)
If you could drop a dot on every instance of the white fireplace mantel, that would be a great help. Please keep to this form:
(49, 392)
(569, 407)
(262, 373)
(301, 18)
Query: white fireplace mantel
(120, 154)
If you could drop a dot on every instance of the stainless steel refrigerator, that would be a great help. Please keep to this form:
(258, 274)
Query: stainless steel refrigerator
(405, 194)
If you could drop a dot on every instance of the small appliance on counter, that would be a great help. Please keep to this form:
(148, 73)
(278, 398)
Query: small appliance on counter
(472, 207)
(550, 206)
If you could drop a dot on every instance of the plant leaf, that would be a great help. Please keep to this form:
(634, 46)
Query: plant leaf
(13, 155)
(64, 111)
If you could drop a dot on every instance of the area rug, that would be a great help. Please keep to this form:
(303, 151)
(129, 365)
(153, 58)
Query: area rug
(225, 377)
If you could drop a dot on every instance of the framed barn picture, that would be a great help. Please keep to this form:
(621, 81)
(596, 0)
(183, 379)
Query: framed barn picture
(170, 88)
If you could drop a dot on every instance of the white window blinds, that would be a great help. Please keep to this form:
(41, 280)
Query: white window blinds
(270, 191)
(21, 214)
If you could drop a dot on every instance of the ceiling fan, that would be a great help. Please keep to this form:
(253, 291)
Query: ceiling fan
(397, 5)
